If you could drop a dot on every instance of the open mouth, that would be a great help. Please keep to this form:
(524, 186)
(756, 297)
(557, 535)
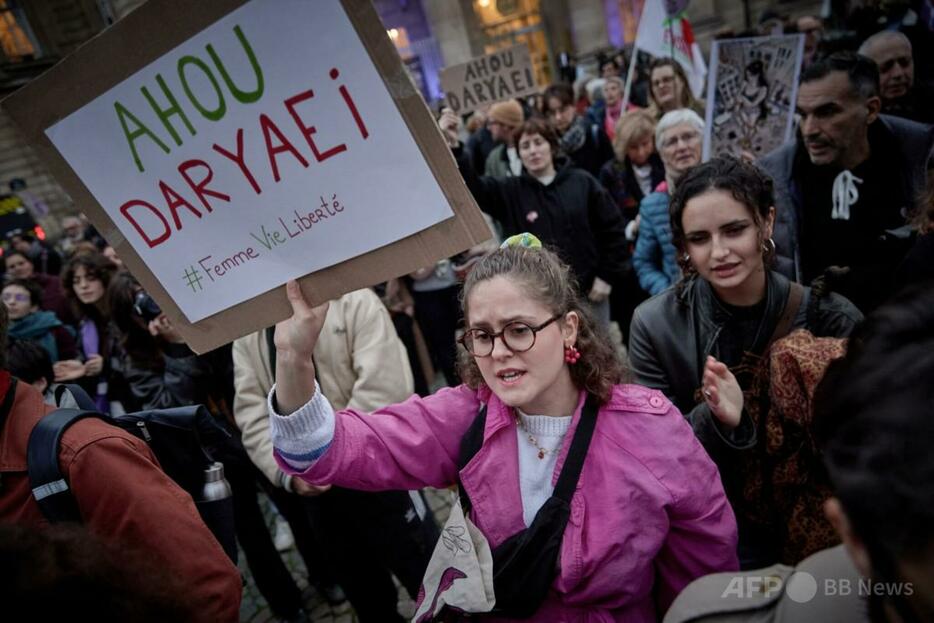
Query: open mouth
(510, 377)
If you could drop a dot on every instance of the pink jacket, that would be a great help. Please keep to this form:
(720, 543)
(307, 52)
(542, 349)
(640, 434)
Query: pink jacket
(649, 515)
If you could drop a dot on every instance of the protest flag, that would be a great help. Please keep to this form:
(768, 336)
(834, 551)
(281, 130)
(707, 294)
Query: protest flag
(665, 32)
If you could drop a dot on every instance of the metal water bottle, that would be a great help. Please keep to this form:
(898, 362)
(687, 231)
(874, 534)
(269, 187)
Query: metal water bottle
(216, 486)
(216, 508)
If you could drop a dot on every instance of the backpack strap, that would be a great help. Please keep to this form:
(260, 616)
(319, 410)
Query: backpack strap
(45, 476)
(77, 392)
(787, 319)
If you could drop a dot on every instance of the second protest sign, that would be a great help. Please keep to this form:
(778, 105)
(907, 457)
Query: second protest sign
(503, 75)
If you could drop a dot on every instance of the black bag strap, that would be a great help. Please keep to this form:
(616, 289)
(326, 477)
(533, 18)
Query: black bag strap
(471, 443)
(574, 463)
(77, 392)
(45, 477)
(570, 471)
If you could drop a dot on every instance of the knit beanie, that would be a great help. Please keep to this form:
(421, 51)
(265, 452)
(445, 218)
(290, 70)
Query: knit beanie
(508, 113)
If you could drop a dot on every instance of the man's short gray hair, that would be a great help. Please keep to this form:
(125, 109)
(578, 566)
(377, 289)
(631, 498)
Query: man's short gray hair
(677, 117)
(882, 37)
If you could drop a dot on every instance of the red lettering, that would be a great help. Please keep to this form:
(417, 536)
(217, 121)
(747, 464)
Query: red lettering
(239, 160)
(269, 128)
(334, 73)
(201, 188)
(152, 242)
(174, 201)
(308, 131)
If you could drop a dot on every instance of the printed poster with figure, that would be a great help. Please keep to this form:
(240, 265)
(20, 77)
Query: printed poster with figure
(227, 147)
(751, 95)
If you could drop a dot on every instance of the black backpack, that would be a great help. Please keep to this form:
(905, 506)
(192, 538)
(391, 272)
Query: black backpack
(184, 440)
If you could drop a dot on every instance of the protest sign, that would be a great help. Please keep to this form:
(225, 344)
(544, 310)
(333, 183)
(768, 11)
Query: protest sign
(751, 94)
(496, 77)
(226, 147)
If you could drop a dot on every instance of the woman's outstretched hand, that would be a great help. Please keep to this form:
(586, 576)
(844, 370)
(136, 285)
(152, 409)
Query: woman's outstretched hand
(722, 393)
(295, 340)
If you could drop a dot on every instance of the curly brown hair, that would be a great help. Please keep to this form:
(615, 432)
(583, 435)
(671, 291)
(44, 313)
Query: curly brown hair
(745, 182)
(548, 280)
(95, 265)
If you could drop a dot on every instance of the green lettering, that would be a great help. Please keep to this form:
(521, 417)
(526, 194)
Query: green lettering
(173, 109)
(242, 96)
(213, 115)
(141, 130)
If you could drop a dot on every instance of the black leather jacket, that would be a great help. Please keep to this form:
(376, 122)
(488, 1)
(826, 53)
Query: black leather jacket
(673, 333)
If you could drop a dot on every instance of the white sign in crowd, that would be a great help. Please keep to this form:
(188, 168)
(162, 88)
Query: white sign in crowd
(232, 163)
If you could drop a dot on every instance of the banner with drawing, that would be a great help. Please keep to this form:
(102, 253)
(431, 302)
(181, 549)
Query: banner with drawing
(751, 95)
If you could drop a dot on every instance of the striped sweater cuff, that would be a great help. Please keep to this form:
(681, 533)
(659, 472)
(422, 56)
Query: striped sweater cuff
(302, 438)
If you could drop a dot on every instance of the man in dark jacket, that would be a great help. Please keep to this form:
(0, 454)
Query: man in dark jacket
(122, 494)
(845, 188)
(901, 95)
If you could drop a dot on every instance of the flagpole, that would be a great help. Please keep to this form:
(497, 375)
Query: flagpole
(629, 75)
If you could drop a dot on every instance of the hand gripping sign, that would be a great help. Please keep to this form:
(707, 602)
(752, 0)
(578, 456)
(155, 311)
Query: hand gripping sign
(226, 147)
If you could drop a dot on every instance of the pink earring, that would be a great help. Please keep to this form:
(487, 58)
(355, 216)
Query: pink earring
(571, 355)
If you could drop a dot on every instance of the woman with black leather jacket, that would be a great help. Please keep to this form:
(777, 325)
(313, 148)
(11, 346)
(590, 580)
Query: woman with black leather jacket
(703, 341)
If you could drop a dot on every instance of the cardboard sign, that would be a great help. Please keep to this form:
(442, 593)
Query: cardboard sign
(226, 147)
(751, 95)
(496, 77)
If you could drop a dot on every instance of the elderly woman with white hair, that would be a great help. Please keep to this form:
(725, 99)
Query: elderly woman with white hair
(678, 138)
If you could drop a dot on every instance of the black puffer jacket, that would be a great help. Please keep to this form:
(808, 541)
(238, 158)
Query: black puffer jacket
(673, 333)
(573, 214)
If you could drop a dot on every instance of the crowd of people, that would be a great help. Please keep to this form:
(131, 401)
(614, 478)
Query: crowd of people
(670, 374)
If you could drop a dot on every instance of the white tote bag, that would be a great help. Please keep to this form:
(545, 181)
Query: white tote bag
(460, 572)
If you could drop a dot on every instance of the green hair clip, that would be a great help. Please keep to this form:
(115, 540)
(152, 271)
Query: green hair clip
(522, 240)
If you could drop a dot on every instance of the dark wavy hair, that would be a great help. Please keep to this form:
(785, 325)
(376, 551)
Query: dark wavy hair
(874, 422)
(744, 181)
(95, 265)
(66, 572)
(560, 91)
(141, 347)
(548, 280)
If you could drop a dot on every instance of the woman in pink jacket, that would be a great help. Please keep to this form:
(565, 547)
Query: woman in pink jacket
(647, 513)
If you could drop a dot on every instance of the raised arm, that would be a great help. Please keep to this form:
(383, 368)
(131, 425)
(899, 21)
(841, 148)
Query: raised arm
(487, 191)
(403, 446)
